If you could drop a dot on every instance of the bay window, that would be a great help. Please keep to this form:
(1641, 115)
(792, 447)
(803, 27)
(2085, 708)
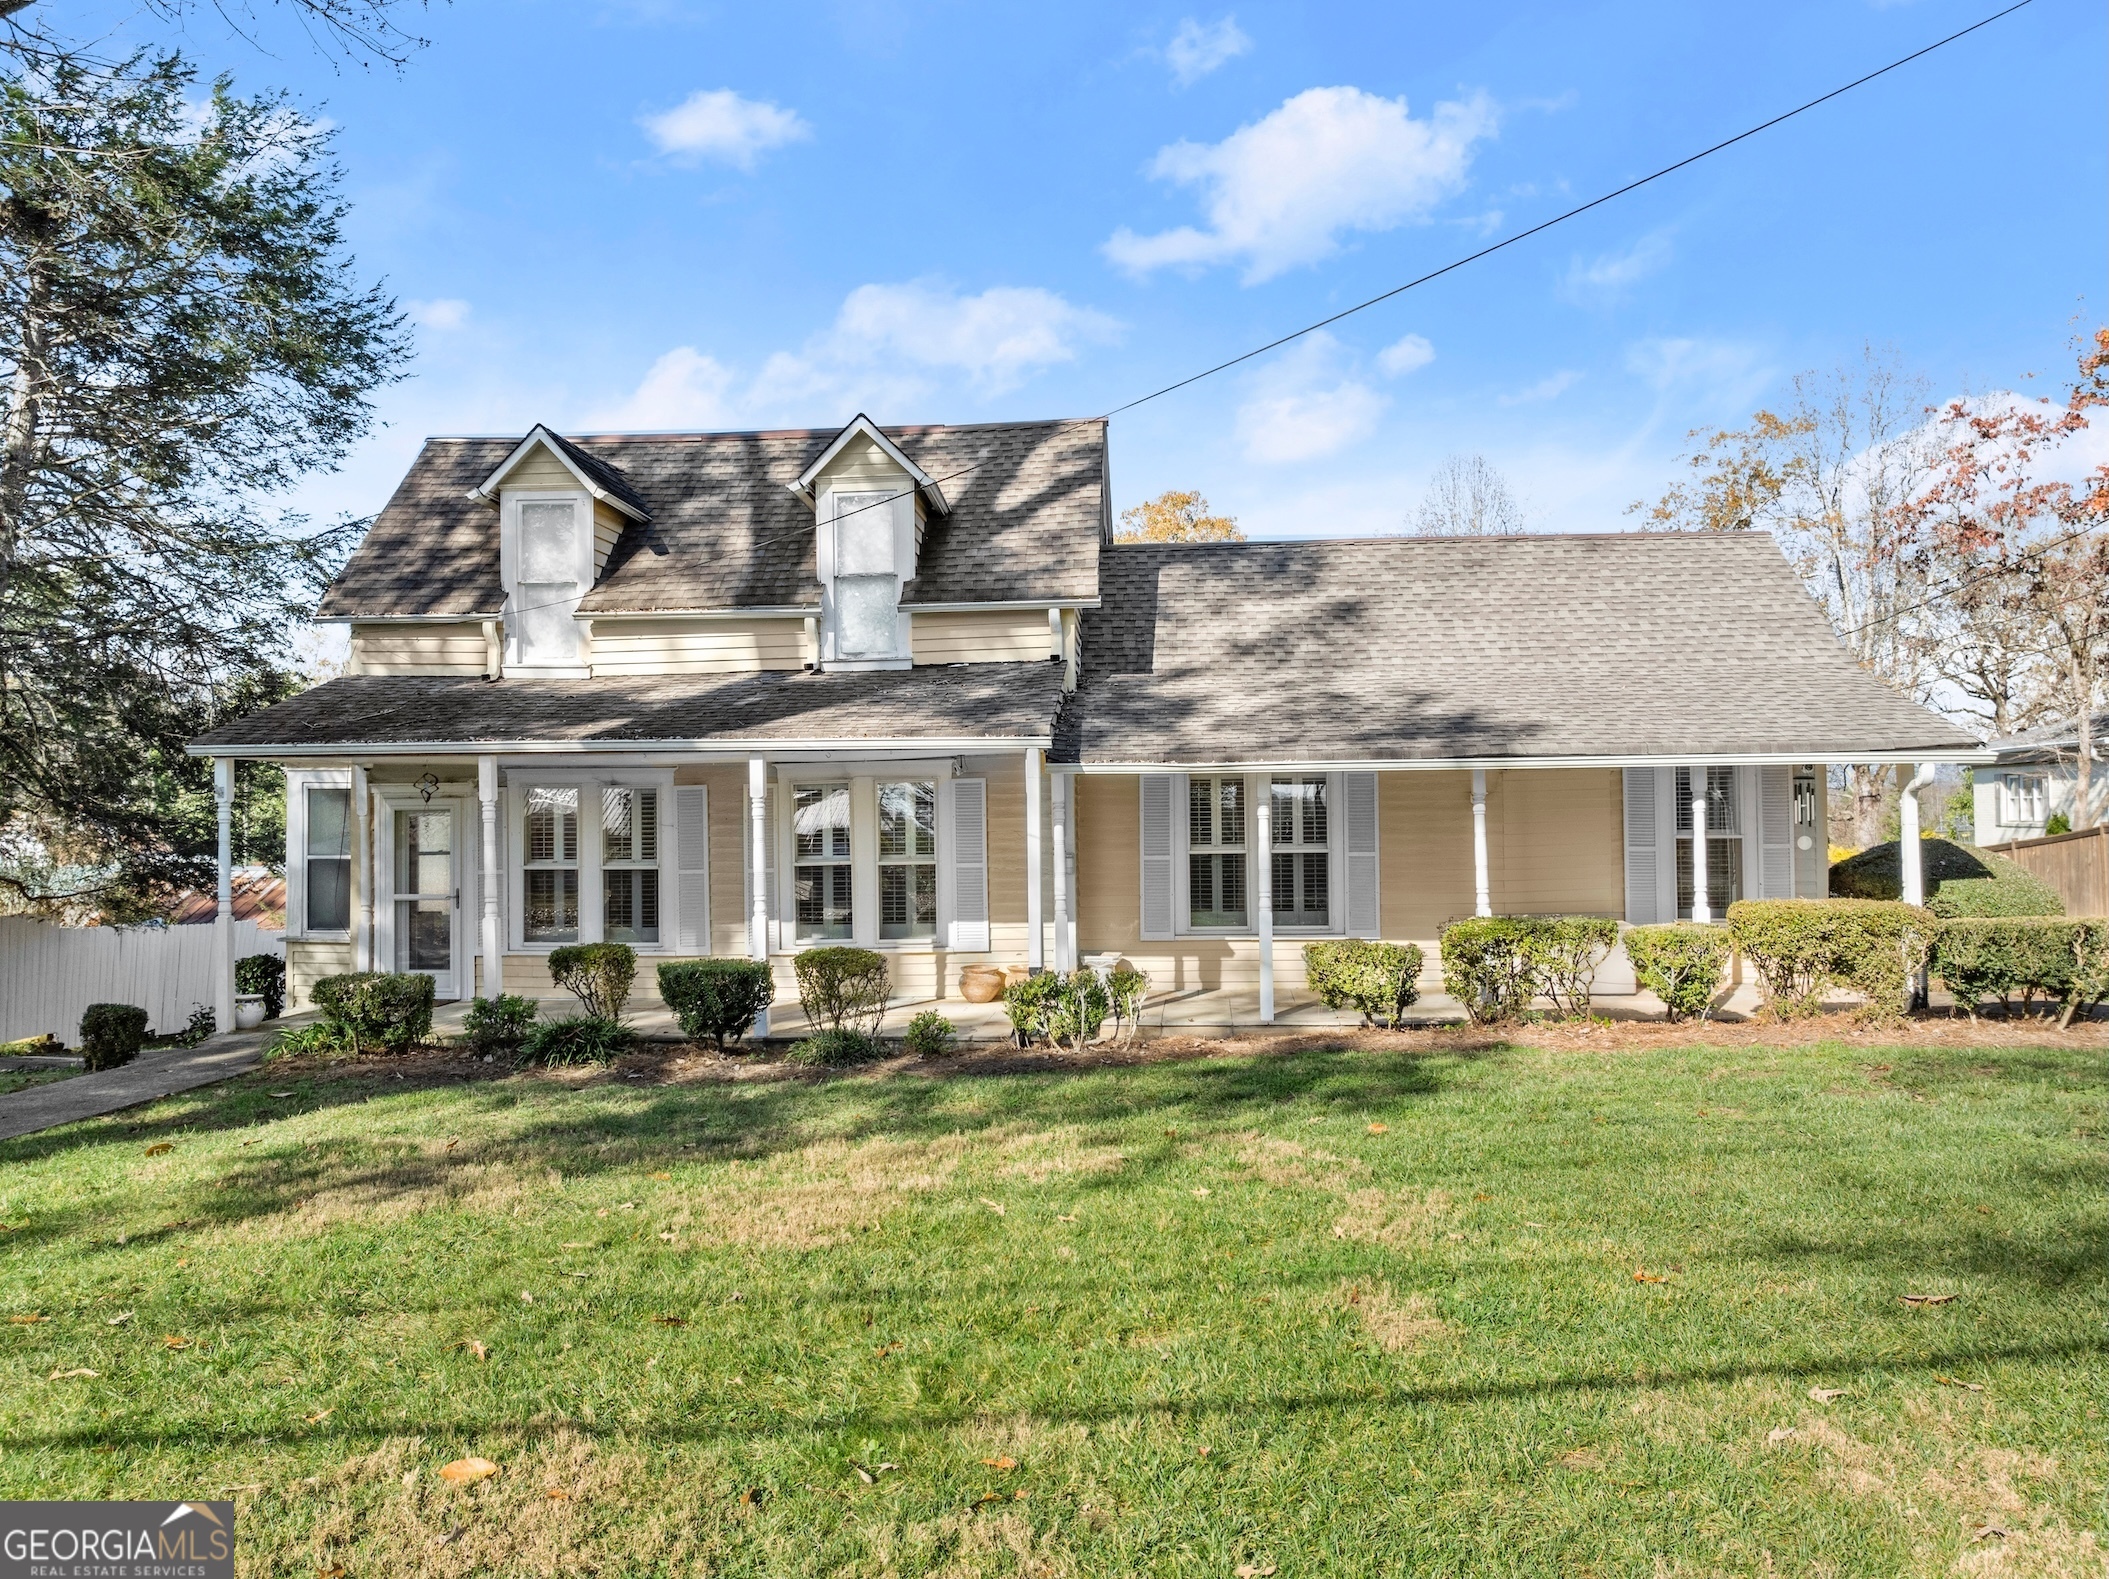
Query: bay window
(629, 830)
(1215, 839)
(1301, 843)
(822, 873)
(908, 859)
(550, 865)
(1724, 841)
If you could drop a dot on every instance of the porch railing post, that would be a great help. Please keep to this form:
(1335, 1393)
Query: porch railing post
(1059, 788)
(1035, 943)
(223, 922)
(1702, 910)
(758, 867)
(1263, 852)
(1482, 886)
(493, 931)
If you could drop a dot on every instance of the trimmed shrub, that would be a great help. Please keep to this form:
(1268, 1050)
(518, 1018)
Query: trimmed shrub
(1378, 980)
(1495, 965)
(717, 998)
(843, 989)
(264, 974)
(597, 974)
(1802, 948)
(930, 1035)
(578, 1039)
(1681, 963)
(1961, 880)
(500, 1024)
(2056, 823)
(1126, 991)
(111, 1034)
(376, 1009)
(1565, 951)
(835, 1047)
(1030, 1002)
(1076, 1009)
(2034, 956)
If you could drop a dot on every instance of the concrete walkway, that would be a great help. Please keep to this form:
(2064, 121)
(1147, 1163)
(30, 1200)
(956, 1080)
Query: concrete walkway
(147, 1078)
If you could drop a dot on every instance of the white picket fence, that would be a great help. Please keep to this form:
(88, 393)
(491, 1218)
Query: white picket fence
(49, 974)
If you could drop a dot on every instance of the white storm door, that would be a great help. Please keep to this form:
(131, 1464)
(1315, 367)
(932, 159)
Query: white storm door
(423, 898)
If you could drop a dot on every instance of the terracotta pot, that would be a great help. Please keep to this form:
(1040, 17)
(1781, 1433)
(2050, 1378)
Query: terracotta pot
(1013, 974)
(981, 983)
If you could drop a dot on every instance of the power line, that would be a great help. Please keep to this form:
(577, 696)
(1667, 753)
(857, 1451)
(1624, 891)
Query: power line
(1977, 580)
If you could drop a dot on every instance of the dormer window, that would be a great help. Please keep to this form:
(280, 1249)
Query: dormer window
(547, 593)
(867, 584)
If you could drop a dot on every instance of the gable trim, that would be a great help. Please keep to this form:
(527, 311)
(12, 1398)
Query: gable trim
(861, 426)
(541, 434)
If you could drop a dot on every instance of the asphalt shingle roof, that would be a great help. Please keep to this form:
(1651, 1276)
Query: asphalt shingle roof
(962, 701)
(2051, 743)
(1436, 649)
(1028, 511)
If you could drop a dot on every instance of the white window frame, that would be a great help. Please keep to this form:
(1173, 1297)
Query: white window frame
(592, 895)
(1258, 791)
(298, 782)
(864, 779)
(658, 864)
(1331, 847)
(509, 571)
(2014, 799)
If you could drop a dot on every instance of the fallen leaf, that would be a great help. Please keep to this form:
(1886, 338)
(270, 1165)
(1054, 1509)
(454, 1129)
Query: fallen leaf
(1253, 1571)
(1824, 1395)
(556, 1494)
(994, 1206)
(1643, 1275)
(752, 1496)
(1001, 1463)
(1065, 1217)
(1020, 1494)
(986, 1498)
(27, 1321)
(1482, 1196)
(1203, 1190)
(626, 1206)
(467, 1471)
(1202, 1451)
(119, 1319)
(334, 1571)
(883, 1350)
(1527, 1223)
(662, 1175)
(864, 1474)
(159, 1147)
(671, 1321)
(317, 1419)
(526, 1298)
(578, 1274)
(1991, 1532)
(259, 1485)
(1950, 1381)
(669, 1235)
(176, 1341)
(281, 1093)
(1374, 1129)
(575, 1244)
(1926, 1299)
(1779, 1434)
(60, 1376)
(183, 1261)
(1171, 1132)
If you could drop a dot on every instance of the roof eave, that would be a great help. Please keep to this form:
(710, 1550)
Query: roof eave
(862, 426)
(541, 433)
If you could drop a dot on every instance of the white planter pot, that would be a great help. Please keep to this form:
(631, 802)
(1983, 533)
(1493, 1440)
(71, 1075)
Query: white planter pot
(248, 1011)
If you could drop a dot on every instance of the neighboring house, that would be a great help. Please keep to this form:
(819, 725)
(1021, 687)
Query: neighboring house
(257, 892)
(744, 693)
(2034, 776)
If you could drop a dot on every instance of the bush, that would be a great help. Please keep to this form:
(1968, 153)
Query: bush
(1077, 1007)
(1029, 1002)
(1496, 965)
(111, 1034)
(597, 974)
(835, 1047)
(500, 1024)
(376, 1009)
(2056, 823)
(1961, 880)
(578, 1039)
(1681, 963)
(1565, 952)
(1126, 990)
(843, 989)
(317, 1036)
(264, 974)
(1380, 980)
(2034, 956)
(1804, 947)
(931, 1035)
(717, 998)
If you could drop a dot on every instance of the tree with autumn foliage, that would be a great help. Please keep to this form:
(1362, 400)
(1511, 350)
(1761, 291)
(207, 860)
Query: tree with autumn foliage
(1176, 516)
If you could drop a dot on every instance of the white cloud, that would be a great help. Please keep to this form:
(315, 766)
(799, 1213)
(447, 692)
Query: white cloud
(683, 389)
(1550, 387)
(1200, 47)
(1279, 192)
(1613, 273)
(719, 124)
(1407, 355)
(1304, 407)
(442, 313)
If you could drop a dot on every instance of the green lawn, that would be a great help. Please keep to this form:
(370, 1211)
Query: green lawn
(1332, 1313)
(13, 1080)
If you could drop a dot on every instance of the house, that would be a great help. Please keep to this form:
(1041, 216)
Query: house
(2034, 776)
(745, 693)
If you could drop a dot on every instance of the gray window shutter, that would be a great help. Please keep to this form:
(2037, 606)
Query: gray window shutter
(1776, 831)
(1157, 802)
(778, 931)
(1643, 870)
(1358, 796)
(969, 844)
(692, 868)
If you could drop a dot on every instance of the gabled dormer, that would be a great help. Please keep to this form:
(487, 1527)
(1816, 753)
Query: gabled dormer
(560, 512)
(870, 502)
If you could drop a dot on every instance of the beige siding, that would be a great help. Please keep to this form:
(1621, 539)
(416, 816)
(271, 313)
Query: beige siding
(608, 523)
(863, 465)
(539, 469)
(1424, 845)
(995, 636)
(418, 649)
(1554, 842)
(308, 963)
(691, 646)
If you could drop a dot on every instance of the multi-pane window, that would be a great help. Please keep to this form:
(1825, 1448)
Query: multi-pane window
(1724, 841)
(1301, 866)
(2027, 798)
(865, 587)
(629, 837)
(548, 581)
(1215, 841)
(329, 860)
(550, 866)
(908, 859)
(822, 874)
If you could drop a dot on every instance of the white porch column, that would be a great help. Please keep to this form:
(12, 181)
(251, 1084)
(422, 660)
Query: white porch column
(362, 869)
(1035, 943)
(1058, 786)
(1908, 845)
(223, 923)
(758, 869)
(493, 929)
(1263, 851)
(1482, 888)
(1702, 912)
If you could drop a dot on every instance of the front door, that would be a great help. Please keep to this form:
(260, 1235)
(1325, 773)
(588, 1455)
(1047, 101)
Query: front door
(427, 897)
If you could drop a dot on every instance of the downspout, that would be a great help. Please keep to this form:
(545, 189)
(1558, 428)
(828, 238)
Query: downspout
(1911, 857)
(493, 650)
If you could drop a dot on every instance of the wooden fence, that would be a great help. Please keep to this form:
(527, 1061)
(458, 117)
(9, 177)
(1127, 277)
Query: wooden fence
(48, 974)
(2075, 864)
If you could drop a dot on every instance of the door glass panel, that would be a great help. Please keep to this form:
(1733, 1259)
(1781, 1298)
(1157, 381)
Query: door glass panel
(424, 886)
(424, 934)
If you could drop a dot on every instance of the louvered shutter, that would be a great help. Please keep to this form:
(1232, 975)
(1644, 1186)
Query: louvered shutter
(692, 868)
(1358, 797)
(1157, 803)
(968, 840)
(1643, 866)
(1776, 832)
(777, 934)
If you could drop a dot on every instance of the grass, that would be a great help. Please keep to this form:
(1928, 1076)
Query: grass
(1336, 1313)
(13, 1080)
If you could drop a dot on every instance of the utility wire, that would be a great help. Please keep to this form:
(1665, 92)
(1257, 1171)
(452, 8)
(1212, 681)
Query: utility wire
(1981, 577)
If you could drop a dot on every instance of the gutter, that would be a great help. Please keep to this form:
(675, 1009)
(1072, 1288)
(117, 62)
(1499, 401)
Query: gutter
(1783, 759)
(714, 747)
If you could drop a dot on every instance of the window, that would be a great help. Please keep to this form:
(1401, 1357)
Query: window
(2027, 798)
(821, 875)
(548, 581)
(329, 860)
(908, 860)
(550, 867)
(629, 840)
(865, 588)
(1302, 857)
(1215, 841)
(1724, 841)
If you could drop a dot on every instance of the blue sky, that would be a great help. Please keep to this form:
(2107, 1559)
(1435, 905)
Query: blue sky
(659, 214)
